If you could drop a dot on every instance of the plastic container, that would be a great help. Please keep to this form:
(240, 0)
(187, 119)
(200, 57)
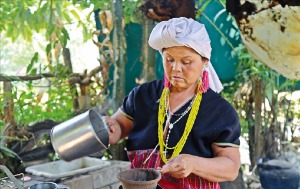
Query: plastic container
(62, 169)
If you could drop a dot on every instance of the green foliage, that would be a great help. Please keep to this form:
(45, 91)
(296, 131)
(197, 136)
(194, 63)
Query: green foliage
(102, 5)
(48, 98)
(30, 69)
(6, 155)
(51, 18)
(15, 17)
(57, 107)
(2, 103)
(6, 152)
(24, 18)
(39, 100)
(239, 92)
(131, 12)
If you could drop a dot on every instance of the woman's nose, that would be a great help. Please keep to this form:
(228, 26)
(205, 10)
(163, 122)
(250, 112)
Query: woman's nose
(176, 66)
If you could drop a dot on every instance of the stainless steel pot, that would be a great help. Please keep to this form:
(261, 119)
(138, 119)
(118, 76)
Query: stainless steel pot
(80, 136)
(48, 185)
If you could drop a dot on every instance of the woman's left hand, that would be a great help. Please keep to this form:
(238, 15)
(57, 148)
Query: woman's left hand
(180, 166)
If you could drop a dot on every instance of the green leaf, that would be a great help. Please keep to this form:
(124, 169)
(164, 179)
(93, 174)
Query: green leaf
(84, 4)
(28, 33)
(6, 151)
(88, 17)
(85, 33)
(64, 37)
(33, 71)
(75, 14)
(49, 31)
(39, 6)
(269, 92)
(65, 33)
(9, 31)
(67, 17)
(32, 62)
(58, 8)
(48, 49)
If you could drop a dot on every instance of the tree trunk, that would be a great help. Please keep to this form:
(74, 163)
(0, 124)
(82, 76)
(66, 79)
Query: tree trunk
(118, 60)
(251, 127)
(148, 54)
(68, 64)
(119, 49)
(271, 149)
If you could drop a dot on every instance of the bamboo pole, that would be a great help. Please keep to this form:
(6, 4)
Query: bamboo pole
(8, 78)
(75, 78)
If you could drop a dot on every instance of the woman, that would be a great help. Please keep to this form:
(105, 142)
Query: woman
(181, 124)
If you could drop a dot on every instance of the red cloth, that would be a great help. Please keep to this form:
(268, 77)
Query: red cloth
(138, 157)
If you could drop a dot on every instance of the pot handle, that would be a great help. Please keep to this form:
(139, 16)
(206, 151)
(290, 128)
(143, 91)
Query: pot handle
(61, 186)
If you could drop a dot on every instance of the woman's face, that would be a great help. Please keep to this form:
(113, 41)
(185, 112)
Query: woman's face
(183, 66)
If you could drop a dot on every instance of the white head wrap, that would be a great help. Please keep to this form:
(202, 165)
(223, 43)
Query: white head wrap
(185, 32)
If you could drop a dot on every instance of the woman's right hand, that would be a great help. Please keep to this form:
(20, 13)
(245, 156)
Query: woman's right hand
(114, 129)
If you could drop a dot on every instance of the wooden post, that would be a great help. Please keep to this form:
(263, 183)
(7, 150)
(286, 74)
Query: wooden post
(258, 100)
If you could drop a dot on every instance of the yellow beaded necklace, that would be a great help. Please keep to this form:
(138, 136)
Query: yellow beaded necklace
(163, 103)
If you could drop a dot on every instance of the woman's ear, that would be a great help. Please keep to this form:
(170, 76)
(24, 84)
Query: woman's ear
(205, 61)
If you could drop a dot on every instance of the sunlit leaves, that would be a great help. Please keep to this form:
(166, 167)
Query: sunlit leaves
(56, 103)
(11, 32)
(22, 17)
(75, 14)
(16, 18)
(30, 68)
(85, 32)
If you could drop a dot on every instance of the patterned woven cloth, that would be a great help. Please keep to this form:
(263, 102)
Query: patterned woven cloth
(138, 157)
